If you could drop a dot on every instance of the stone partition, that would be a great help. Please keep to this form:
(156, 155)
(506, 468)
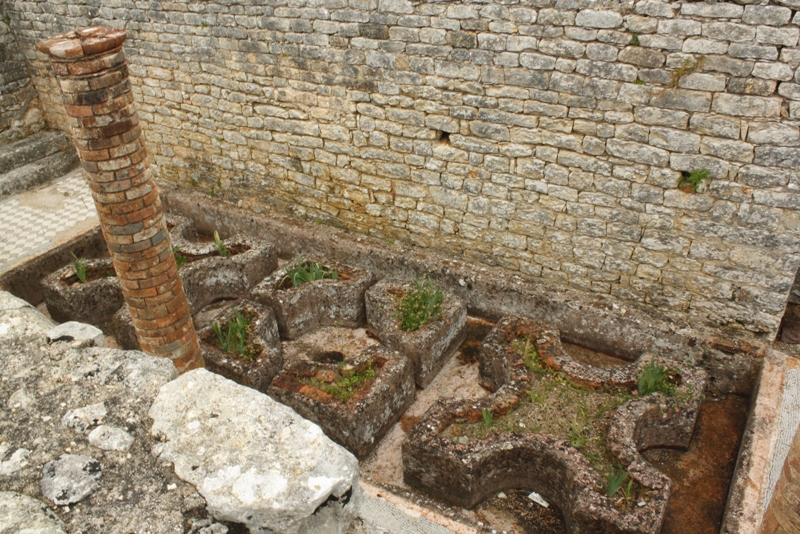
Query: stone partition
(543, 136)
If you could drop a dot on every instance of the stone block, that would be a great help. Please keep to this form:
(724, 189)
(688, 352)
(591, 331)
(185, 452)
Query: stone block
(359, 422)
(746, 106)
(591, 18)
(94, 302)
(326, 302)
(288, 477)
(23, 514)
(432, 344)
(262, 360)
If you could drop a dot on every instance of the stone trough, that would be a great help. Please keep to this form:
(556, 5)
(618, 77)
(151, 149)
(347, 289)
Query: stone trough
(465, 474)
(432, 344)
(94, 301)
(254, 370)
(357, 423)
(325, 302)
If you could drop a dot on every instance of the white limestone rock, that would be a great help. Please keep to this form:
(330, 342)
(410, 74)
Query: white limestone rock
(82, 418)
(70, 478)
(22, 514)
(110, 438)
(254, 460)
(80, 334)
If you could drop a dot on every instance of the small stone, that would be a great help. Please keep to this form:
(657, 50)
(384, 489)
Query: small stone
(538, 499)
(84, 335)
(22, 514)
(20, 399)
(110, 438)
(70, 478)
(82, 418)
(17, 461)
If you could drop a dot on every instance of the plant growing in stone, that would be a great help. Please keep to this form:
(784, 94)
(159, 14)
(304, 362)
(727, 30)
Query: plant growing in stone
(221, 249)
(233, 339)
(80, 268)
(614, 481)
(423, 303)
(308, 272)
(655, 378)
(180, 259)
(347, 381)
(488, 418)
(692, 180)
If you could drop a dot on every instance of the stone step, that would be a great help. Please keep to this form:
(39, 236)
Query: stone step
(38, 172)
(33, 148)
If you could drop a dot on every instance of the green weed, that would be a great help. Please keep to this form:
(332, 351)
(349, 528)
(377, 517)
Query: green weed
(233, 339)
(220, 245)
(614, 481)
(347, 383)
(634, 40)
(655, 378)
(308, 272)
(180, 259)
(420, 305)
(80, 268)
(638, 81)
(693, 179)
(488, 418)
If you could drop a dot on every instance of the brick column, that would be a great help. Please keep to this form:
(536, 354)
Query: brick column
(93, 75)
(783, 512)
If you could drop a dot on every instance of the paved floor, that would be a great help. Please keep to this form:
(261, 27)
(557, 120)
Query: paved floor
(37, 220)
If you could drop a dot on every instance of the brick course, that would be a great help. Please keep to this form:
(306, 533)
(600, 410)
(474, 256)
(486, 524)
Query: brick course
(92, 75)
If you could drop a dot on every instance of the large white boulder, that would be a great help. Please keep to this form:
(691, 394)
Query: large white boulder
(254, 460)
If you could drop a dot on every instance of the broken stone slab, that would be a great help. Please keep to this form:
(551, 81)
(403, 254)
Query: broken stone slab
(361, 421)
(110, 438)
(26, 515)
(254, 460)
(94, 302)
(257, 369)
(70, 479)
(432, 344)
(21, 399)
(82, 418)
(85, 335)
(325, 302)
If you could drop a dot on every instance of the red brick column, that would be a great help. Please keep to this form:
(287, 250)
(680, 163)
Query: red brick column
(93, 75)
(783, 512)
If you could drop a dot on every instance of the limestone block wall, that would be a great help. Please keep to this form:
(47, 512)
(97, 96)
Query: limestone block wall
(544, 136)
(20, 109)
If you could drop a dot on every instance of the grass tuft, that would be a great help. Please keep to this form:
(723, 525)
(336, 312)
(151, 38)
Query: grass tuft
(420, 305)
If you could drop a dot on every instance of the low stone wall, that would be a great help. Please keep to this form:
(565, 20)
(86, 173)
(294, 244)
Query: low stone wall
(20, 109)
(543, 136)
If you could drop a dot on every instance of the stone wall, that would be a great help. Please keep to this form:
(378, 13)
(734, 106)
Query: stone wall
(20, 109)
(544, 136)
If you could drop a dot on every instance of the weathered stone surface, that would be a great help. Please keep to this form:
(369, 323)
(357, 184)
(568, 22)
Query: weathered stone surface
(364, 419)
(356, 138)
(93, 302)
(16, 461)
(26, 515)
(58, 377)
(325, 302)
(258, 371)
(111, 438)
(82, 418)
(71, 478)
(432, 344)
(254, 460)
(80, 333)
